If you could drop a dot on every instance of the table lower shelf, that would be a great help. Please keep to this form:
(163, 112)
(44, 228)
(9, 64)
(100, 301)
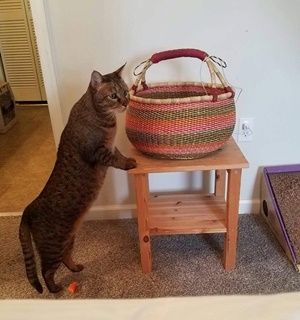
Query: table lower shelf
(186, 214)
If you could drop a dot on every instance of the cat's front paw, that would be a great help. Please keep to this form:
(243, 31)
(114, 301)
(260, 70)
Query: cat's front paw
(130, 163)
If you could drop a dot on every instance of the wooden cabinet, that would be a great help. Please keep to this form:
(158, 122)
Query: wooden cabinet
(19, 51)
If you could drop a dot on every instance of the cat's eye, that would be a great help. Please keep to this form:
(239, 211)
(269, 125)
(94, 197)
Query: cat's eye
(113, 96)
(126, 92)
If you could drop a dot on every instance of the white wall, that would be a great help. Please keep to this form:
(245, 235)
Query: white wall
(259, 40)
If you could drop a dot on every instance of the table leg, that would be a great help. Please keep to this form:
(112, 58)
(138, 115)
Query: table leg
(232, 210)
(220, 180)
(142, 197)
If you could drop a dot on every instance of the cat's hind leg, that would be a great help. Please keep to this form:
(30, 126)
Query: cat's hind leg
(48, 272)
(68, 261)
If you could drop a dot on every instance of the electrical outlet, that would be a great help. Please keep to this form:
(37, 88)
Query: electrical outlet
(246, 129)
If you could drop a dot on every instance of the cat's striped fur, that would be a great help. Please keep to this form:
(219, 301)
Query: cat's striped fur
(85, 152)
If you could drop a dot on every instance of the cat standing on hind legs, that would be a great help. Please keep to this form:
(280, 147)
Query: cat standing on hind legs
(85, 151)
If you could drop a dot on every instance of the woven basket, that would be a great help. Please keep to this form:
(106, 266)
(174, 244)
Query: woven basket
(180, 120)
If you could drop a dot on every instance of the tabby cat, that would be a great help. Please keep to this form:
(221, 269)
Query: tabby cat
(85, 152)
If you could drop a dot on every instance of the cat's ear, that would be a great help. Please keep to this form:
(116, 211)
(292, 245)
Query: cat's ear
(119, 71)
(96, 79)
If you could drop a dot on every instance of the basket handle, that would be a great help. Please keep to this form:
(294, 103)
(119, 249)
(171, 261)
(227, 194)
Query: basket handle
(178, 53)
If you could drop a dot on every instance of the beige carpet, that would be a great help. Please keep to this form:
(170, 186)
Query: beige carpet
(186, 265)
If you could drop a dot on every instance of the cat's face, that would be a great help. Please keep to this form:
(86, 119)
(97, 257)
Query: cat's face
(110, 92)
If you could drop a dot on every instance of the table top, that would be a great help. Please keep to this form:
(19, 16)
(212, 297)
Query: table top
(228, 157)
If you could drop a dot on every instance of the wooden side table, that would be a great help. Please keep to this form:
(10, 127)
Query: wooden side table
(190, 213)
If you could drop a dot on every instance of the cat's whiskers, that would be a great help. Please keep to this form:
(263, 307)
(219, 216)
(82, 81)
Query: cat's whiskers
(111, 116)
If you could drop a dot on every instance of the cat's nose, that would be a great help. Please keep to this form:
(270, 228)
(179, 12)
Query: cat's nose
(125, 104)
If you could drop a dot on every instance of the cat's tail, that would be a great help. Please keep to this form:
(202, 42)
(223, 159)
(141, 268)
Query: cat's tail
(27, 248)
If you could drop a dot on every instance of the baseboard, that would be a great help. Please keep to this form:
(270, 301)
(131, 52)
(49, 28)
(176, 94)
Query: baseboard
(112, 212)
(128, 211)
(10, 214)
(249, 206)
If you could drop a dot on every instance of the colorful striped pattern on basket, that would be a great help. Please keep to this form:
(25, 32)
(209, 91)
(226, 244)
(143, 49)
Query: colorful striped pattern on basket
(182, 129)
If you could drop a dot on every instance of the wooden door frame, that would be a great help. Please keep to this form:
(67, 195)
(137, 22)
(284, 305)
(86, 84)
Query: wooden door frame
(45, 52)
